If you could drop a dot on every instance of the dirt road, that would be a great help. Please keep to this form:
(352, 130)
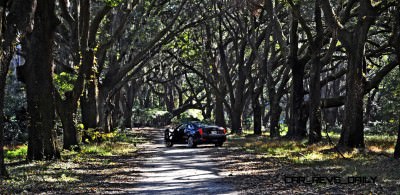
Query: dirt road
(179, 170)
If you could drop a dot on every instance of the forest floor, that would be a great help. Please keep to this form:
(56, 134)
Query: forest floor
(107, 168)
(137, 162)
(260, 165)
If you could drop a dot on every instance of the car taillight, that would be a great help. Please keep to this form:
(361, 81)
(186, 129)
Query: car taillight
(201, 131)
(225, 131)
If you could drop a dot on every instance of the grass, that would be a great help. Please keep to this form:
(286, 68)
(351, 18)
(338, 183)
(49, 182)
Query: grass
(108, 148)
(79, 171)
(299, 158)
(283, 130)
(299, 151)
(18, 152)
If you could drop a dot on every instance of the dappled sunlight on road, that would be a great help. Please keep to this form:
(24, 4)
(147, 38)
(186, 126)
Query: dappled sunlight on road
(180, 170)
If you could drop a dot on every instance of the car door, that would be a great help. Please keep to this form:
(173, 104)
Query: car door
(180, 132)
(190, 130)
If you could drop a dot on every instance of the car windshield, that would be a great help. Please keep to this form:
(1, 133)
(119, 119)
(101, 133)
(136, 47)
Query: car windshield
(197, 123)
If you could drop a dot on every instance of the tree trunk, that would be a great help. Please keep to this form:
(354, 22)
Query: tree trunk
(353, 127)
(169, 98)
(108, 116)
(39, 83)
(66, 110)
(147, 99)
(315, 99)
(257, 116)
(397, 148)
(3, 171)
(7, 50)
(116, 113)
(354, 42)
(315, 76)
(4, 66)
(89, 102)
(298, 113)
(298, 119)
(236, 121)
(101, 106)
(128, 101)
(128, 116)
(287, 111)
(369, 106)
(331, 114)
(70, 133)
(219, 112)
(396, 154)
(275, 113)
(104, 107)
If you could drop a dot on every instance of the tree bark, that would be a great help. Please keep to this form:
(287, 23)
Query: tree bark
(128, 101)
(169, 98)
(352, 135)
(101, 103)
(257, 118)
(219, 112)
(315, 76)
(3, 76)
(16, 16)
(66, 110)
(397, 148)
(369, 106)
(4, 66)
(298, 111)
(315, 102)
(275, 113)
(331, 114)
(116, 113)
(89, 97)
(39, 83)
(3, 171)
(70, 140)
(89, 106)
(298, 117)
(236, 121)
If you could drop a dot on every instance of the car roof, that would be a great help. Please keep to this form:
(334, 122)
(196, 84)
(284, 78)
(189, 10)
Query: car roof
(195, 123)
(199, 124)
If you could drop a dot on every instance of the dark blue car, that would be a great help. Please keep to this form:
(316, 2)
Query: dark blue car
(194, 133)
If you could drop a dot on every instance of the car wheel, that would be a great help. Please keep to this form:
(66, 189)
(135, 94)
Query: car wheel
(167, 138)
(219, 144)
(190, 142)
(168, 143)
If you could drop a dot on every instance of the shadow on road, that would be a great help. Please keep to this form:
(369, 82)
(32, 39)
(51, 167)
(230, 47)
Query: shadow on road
(179, 170)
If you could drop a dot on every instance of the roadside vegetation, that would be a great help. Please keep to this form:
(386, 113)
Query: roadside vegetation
(259, 164)
(97, 167)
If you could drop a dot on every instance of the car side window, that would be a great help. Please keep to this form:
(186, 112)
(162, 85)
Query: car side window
(181, 128)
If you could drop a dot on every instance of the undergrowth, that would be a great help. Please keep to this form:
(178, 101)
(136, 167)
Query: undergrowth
(72, 170)
(322, 159)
